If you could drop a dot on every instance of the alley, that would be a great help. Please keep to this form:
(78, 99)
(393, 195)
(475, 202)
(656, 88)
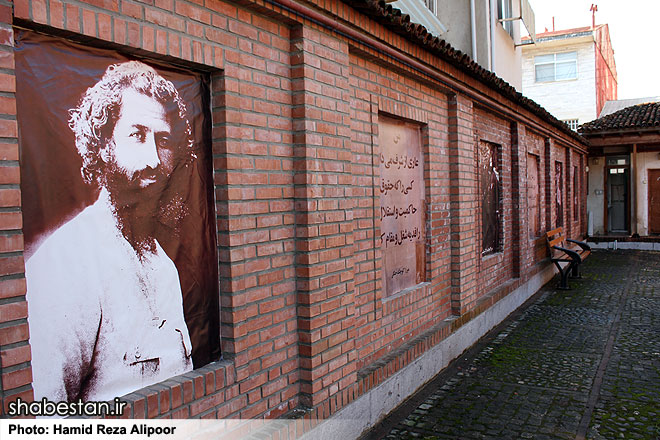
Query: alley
(575, 364)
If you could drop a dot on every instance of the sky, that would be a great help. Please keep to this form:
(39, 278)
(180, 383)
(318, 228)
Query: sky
(631, 24)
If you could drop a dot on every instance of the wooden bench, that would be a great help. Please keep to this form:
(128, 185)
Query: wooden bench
(566, 255)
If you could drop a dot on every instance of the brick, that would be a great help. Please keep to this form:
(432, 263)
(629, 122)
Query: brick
(56, 13)
(131, 9)
(10, 288)
(6, 59)
(13, 311)
(133, 34)
(148, 38)
(15, 333)
(109, 5)
(14, 356)
(104, 26)
(25, 396)
(10, 220)
(119, 26)
(10, 197)
(7, 37)
(73, 18)
(11, 243)
(16, 379)
(89, 23)
(21, 10)
(193, 12)
(7, 84)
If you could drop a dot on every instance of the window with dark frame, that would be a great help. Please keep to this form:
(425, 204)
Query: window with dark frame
(573, 124)
(505, 11)
(430, 4)
(490, 187)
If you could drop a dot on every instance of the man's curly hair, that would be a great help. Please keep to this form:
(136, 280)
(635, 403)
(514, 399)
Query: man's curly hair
(93, 121)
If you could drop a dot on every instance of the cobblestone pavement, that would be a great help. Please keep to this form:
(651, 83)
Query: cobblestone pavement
(577, 364)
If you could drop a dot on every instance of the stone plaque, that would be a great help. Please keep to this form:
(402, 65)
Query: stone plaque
(402, 205)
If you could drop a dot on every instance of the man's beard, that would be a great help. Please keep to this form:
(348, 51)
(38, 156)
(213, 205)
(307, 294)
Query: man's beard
(144, 212)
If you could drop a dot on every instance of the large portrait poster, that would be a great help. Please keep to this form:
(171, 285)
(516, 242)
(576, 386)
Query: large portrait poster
(119, 221)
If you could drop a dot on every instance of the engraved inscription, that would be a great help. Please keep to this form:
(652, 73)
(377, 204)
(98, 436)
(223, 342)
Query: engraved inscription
(401, 205)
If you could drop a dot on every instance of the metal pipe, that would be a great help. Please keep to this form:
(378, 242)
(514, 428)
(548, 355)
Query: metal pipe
(633, 191)
(493, 24)
(473, 23)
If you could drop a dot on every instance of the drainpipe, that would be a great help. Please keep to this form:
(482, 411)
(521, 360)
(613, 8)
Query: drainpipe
(493, 23)
(473, 23)
(633, 191)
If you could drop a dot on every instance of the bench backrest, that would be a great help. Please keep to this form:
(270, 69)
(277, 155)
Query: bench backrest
(555, 238)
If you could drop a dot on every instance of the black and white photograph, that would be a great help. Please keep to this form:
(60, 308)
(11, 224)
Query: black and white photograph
(120, 255)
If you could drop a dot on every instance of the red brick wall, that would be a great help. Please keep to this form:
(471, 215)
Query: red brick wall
(495, 269)
(383, 324)
(538, 249)
(606, 76)
(295, 111)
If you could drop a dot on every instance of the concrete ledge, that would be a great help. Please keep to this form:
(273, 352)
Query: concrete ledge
(636, 245)
(369, 409)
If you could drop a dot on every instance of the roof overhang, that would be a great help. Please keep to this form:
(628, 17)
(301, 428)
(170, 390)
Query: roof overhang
(562, 42)
(648, 137)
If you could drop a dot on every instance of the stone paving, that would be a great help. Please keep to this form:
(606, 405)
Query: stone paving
(578, 364)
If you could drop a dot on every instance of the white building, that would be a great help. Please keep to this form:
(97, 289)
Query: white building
(571, 73)
(487, 30)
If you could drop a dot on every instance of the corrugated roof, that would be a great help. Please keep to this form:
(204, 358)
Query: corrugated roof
(630, 118)
(614, 106)
(563, 33)
(400, 23)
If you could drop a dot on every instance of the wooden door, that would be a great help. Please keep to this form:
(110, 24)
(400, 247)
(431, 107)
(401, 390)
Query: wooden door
(654, 201)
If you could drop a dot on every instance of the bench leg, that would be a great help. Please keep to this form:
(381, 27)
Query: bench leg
(563, 284)
(575, 273)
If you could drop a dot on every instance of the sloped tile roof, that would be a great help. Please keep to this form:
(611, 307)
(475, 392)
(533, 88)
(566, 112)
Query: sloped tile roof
(630, 118)
(400, 23)
(616, 105)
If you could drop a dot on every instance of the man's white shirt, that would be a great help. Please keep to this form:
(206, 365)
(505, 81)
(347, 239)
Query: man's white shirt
(102, 321)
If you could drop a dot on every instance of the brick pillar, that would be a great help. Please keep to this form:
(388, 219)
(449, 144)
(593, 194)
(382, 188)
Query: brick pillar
(463, 202)
(15, 356)
(324, 217)
(518, 195)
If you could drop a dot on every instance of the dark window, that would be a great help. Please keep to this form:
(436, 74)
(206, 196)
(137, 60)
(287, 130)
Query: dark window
(559, 194)
(504, 11)
(490, 189)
